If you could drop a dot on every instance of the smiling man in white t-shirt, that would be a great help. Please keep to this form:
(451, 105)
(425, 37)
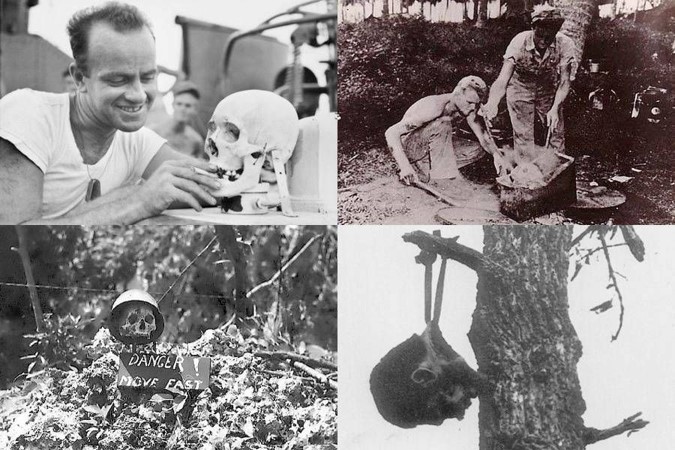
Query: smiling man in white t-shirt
(79, 158)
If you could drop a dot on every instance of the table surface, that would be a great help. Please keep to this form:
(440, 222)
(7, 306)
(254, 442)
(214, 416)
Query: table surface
(216, 216)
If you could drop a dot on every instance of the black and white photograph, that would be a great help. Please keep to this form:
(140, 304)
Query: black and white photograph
(484, 111)
(187, 337)
(178, 178)
(494, 337)
(168, 112)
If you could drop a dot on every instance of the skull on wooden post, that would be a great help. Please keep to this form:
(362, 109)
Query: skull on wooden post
(135, 318)
(246, 129)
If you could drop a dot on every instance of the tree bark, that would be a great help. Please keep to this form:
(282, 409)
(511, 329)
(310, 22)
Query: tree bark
(525, 343)
(482, 13)
(578, 16)
(227, 237)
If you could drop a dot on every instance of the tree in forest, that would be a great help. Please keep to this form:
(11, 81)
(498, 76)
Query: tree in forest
(482, 16)
(280, 281)
(522, 335)
(578, 16)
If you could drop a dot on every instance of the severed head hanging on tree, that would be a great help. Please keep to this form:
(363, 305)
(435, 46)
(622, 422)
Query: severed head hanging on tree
(423, 381)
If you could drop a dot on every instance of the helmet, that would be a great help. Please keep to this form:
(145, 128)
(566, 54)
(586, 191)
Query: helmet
(127, 299)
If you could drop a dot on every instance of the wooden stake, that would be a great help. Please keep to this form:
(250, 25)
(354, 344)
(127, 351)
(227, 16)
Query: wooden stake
(30, 281)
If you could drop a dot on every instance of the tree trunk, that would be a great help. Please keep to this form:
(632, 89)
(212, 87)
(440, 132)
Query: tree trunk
(227, 238)
(525, 342)
(482, 13)
(578, 16)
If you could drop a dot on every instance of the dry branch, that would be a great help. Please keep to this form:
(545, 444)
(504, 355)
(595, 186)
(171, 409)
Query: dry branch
(630, 425)
(284, 268)
(299, 358)
(180, 275)
(449, 248)
(614, 283)
(315, 374)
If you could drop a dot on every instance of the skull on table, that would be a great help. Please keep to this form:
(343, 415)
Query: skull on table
(247, 131)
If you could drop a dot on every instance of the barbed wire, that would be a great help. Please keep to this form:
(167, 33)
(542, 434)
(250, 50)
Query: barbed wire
(79, 288)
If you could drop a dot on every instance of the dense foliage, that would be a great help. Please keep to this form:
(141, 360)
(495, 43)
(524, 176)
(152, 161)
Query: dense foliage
(386, 64)
(85, 269)
(251, 403)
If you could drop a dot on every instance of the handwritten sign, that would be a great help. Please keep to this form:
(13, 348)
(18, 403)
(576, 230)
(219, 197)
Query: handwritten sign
(163, 371)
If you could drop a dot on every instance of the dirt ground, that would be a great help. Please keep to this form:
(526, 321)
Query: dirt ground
(370, 192)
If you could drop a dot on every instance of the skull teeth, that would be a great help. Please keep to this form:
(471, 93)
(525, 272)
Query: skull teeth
(232, 175)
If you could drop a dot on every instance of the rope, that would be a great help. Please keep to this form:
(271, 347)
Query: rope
(439, 291)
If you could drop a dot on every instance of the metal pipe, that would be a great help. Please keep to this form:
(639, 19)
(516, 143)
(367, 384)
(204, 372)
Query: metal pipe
(240, 34)
(293, 10)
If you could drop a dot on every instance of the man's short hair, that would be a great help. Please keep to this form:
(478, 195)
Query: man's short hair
(472, 82)
(185, 87)
(120, 16)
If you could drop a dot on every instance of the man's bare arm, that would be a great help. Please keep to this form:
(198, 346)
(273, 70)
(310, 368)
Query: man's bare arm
(421, 112)
(393, 137)
(553, 116)
(481, 133)
(170, 179)
(498, 88)
(20, 185)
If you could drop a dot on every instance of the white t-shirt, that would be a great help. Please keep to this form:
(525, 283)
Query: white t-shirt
(38, 124)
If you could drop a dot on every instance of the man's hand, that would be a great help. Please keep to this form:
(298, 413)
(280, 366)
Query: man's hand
(490, 110)
(177, 181)
(408, 175)
(552, 118)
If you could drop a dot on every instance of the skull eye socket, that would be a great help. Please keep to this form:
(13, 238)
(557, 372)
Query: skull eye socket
(230, 132)
(256, 155)
(423, 376)
(133, 317)
(149, 318)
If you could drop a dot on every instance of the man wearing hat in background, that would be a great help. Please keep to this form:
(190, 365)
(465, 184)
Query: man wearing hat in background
(421, 143)
(177, 131)
(538, 67)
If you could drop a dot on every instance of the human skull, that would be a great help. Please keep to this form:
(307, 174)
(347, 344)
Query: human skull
(423, 381)
(246, 128)
(138, 322)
